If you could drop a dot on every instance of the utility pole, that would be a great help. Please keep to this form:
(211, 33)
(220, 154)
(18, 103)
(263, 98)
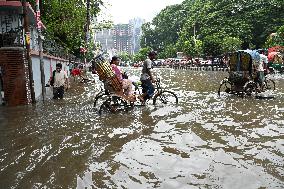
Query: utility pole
(194, 32)
(87, 29)
(39, 25)
(28, 49)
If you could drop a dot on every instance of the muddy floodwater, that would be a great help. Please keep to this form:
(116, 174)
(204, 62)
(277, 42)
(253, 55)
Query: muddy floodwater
(205, 141)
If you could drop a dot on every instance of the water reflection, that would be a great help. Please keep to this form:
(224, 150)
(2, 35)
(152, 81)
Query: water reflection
(204, 142)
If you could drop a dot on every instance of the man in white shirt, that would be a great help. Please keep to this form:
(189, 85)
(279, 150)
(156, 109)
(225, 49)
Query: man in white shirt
(260, 68)
(60, 81)
(264, 60)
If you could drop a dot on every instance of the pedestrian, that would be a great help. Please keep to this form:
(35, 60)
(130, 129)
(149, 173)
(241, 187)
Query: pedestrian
(60, 82)
(147, 78)
(75, 72)
(264, 61)
(259, 64)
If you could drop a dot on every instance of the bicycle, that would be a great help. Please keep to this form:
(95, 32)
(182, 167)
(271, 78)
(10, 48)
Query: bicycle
(115, 103)
(164, 96)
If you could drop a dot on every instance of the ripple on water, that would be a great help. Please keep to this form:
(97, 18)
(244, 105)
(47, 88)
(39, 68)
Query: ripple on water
(205, 141)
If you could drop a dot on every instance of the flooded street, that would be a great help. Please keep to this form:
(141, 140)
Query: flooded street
(205, 141)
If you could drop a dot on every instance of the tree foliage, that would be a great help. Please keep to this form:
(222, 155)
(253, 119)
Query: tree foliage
(230, 44)
(124, 56)
(219, 25)
(275, 39)
(65, 21)
(141, 55)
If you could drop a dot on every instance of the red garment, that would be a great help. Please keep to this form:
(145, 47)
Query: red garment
(75, 71)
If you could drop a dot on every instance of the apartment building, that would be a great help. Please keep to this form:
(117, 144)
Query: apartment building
(121, 37)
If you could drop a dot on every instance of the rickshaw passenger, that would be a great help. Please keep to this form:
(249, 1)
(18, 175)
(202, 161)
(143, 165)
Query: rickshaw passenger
(126, 83)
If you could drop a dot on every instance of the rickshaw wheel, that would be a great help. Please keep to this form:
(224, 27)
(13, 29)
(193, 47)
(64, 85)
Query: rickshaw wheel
(99, 99)
(225, 86)
(113, 104)
(165, 97)
(250, 89)
(268, 84)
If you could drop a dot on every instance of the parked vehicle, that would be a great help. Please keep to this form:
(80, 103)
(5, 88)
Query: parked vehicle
(242, 78)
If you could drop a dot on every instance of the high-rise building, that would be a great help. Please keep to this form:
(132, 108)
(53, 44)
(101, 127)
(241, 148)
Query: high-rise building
(105, 39)
(121, 38)
(137, 33)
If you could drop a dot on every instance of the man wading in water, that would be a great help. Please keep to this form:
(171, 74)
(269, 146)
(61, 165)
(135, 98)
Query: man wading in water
(59, 81)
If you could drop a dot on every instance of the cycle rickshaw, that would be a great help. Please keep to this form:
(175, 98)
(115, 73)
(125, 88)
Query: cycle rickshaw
(242, 78)
(112, 99)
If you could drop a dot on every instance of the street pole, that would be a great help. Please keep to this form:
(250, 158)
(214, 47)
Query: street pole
(194, 31)
(42, 76)
(87, 29)
(28, 49)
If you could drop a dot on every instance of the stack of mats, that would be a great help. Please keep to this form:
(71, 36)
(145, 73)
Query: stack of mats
(105, 73)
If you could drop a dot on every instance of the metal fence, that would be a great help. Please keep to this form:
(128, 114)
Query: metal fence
(52, 48)
(15, 38)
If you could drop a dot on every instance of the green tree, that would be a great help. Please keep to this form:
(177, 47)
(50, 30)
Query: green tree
(65, 21)
(163, 32)
(142, 54)
(169, 51)
(245, 21)
(275, 39)
(212, 45)
(231, 44)
(124, 56)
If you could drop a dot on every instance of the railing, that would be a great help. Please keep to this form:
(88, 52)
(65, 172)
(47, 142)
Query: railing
(15, 38)
(52, 48)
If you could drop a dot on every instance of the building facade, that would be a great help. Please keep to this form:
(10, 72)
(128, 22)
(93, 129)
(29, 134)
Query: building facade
(121, 37)
(15, 88)
(136, 24)
(104, 39)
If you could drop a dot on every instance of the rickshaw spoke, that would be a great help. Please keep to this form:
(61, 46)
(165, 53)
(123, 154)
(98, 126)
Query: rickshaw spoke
(250, 89)
(99, 99)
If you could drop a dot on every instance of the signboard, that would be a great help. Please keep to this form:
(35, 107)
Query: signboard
(38, 21)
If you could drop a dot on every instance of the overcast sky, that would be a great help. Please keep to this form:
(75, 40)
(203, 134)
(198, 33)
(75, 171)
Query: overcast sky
(121, 11)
